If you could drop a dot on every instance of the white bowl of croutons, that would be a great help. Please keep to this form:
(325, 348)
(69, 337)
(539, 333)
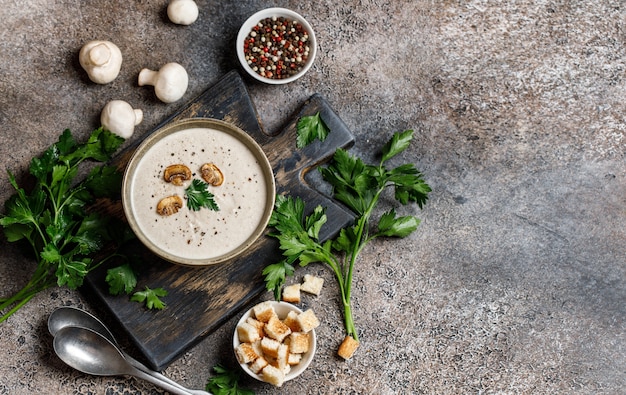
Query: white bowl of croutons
(275, 342)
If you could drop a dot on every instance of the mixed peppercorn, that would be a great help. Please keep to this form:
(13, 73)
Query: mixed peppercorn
(277, 48)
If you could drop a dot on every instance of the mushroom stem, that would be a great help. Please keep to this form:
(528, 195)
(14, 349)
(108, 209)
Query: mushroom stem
(148, 77)
(100, 55)
(170, 82)
(138, 116)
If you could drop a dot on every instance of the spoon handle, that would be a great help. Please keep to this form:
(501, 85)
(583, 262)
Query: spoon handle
(144, 369)
(174, 389)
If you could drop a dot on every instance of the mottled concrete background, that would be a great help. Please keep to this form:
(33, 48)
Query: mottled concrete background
(515, 281)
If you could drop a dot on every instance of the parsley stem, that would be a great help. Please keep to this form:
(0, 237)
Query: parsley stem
(35, 285)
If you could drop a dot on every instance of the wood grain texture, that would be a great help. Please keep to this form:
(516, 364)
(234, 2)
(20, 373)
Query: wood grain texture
(201, 299)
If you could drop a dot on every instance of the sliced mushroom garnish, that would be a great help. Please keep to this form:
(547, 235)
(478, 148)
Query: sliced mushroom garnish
(169, 205)
(177, 174)
(212, 174)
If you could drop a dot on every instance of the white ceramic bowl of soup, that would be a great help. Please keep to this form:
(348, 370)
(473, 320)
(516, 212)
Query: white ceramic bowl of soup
(199, 237)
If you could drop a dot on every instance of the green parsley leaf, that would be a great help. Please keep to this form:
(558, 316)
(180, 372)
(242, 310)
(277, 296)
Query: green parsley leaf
(309, 128)
(40, 167)
(398, 143)
(104, 181)
(121, 279)
(391, 226)
(287, 214)
(16, 231)
(226, 382)
(351, 180)
(71, 272)
(315, 221)
(151, 298)
(66, 143)
(198, 196)
(275, 276)
(100, 146)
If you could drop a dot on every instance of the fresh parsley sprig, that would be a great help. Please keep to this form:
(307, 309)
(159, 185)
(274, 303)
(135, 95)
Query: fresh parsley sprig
(198, 196)
(151, 297)
(309, 128)
(226, 382)
(359, 186)
(53, 217)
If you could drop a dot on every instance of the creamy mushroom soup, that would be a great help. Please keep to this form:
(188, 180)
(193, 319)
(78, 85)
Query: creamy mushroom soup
(201, 234)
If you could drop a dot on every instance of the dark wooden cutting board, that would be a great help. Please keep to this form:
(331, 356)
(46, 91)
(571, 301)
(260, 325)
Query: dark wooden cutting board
(201, 299)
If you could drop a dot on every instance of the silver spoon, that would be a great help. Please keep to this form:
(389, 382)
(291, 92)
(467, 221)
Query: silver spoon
(91, 353)
(74, 317)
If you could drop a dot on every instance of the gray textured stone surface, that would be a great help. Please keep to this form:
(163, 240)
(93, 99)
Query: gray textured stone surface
(515, 281)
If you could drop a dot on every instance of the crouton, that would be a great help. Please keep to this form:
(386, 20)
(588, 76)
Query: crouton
(245, 353)
(312, 284)
(294, 359)
(298, 342)
(270, 346)
(276, 329)
(258, 365)
(256, 346)
(273, 375)
(257, 324)
(247, 333)
(264, 311)
(282, 357)
(348, 347)
(292, 321)
(291, 293)
(308, 321)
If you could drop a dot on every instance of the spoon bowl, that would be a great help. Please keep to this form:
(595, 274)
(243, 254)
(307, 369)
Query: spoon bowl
(89, 352)
(71, 316)
(86, 344)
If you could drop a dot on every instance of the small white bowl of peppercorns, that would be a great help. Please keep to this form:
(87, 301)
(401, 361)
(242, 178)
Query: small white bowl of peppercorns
(276, 46)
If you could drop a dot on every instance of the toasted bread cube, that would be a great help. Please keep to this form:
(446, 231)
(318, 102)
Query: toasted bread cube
(294, 359)
(276, 329)
(247, 333)
(270, 347)
(348, 347)
(292, 321)
(298, 342)
(257, 324)
(282, 357)
(273, 375)
(264, 311)
(245, 353)
(256, 346)
(312, 284)
(271, 361)
(258, 365)
(308, 321)
(291, 293)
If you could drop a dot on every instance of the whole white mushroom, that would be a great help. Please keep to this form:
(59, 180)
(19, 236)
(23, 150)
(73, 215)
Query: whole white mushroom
(102, 60)
(120, 118)
(170, 82)
(182, 12)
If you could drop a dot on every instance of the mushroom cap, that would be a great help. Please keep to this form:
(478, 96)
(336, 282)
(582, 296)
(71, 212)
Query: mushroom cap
(120, 118)
(102, 60)
(170, 82)
(182, 12)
